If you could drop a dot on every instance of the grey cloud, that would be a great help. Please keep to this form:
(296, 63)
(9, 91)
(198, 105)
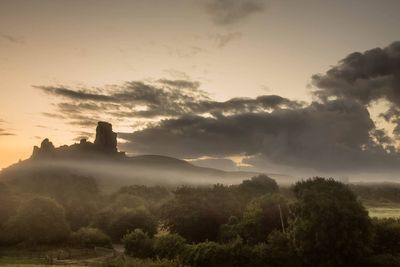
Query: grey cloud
(329, 136)
(334, 133)
(76, 95)
(165, 98)
(365, 77)
(181, 83)
(368, 76)
(225, 12)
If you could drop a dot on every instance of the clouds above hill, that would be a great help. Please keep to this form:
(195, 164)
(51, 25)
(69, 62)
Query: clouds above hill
(333, 133)
(161, 99)
(366, 78)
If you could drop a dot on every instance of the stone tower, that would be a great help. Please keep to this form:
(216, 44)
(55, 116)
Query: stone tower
(106, 139)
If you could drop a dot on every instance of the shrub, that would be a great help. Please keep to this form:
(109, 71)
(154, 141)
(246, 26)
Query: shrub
(169, 246)
(138, 244)
(386, 236)
(206, 254)
(89, 238)
(276, 252)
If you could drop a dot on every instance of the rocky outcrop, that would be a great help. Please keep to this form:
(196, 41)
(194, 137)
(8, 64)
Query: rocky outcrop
(106, 139)
(105, 144)
(46, 150)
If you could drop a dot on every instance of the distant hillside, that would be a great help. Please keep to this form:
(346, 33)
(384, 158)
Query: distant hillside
(102, 161)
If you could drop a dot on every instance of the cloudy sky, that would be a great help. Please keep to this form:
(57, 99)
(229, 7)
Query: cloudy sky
(273, 85)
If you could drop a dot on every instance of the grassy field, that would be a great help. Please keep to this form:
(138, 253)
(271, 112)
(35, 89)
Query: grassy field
(34, 265)
(384, 212)
(40, 257)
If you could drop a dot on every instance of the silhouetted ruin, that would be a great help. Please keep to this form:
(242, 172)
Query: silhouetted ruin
(104, 144)
(106, 139)
(46, 149)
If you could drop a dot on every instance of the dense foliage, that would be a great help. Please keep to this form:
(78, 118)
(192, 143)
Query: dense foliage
(314, 223)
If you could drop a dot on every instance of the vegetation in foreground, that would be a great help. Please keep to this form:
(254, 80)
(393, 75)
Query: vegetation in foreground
(317, 222)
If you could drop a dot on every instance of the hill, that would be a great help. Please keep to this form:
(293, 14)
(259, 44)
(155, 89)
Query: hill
(111, 168)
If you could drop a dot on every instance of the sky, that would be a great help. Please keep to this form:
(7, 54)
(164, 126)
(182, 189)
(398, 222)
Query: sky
(269, 85)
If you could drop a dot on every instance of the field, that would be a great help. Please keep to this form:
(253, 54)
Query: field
(41, 257)
(384, 212)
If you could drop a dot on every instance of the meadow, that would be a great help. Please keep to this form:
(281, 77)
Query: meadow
(384, 212)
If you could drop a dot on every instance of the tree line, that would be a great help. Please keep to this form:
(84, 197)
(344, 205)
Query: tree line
(317, 222)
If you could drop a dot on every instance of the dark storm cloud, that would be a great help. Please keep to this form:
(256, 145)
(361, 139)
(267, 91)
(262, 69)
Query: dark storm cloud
(225, 12)
(331, 136)
(365, 77)
(368, 76)
(334, 133)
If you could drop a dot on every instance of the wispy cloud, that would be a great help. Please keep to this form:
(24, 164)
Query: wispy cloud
(4, 132)
(227, 12)
(221, 40)
(12, 39)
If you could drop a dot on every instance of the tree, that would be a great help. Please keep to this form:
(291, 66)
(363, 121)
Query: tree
(262, 216)
(138, 244)
(197, 213)
(127, 220)
(258, 186)
(8, 205)
(169, 246)
(330, 227)
(39, 221)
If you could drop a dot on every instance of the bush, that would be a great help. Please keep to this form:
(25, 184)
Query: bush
(169, 246)
(206, 254)
(277, 252)
(89, 238)
(386, 236)
(138, 244)
(236, 253)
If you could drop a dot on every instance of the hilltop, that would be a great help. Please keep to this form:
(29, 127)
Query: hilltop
(112, 168)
